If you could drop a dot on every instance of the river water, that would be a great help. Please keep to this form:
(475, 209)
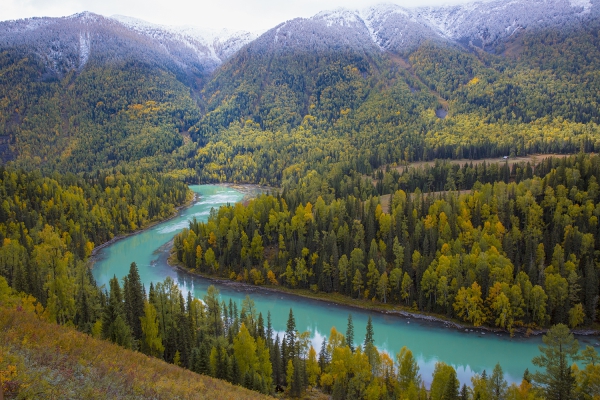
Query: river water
(469, 352)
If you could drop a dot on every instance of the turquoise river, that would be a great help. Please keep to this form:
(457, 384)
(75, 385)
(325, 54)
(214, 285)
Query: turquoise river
(469, 352)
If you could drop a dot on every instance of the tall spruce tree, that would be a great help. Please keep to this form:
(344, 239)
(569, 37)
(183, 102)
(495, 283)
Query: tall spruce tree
(260, 326)
(114, 325)
(324, 356)
(451, 391)
(134, 300)
(290, 336)
(464, 393)
(269, 332)
(350, 333)
(369, 335)
(276, 361)
(369, 346)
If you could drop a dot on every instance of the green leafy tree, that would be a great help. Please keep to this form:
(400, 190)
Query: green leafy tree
(151, 342)
(357, 282)
(408, 370)
(498, 384)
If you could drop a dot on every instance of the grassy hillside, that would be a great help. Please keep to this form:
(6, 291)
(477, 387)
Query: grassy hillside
(39, 359)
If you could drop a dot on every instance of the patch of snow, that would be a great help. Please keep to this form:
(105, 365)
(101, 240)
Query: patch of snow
(340, 16)
(212, 45)
(586, 4)
(84, 49)
(375, 16)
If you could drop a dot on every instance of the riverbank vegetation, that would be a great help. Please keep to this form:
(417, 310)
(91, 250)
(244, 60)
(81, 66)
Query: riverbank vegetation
(505, 254)
(233, 343)
(513, 247)
(39, 359)
(50, 225)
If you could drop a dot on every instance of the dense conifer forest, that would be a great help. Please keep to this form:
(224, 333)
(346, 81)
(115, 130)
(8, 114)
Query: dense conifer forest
(93, 153)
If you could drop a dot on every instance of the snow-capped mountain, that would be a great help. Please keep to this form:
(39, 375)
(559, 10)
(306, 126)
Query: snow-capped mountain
(485, 23)
(71, 42)
(212, 47)
(327, 31)
(390, 27)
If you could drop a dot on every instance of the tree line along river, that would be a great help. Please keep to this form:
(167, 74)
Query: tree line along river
(469, 352)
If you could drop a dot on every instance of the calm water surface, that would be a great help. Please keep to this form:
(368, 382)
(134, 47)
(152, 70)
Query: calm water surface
(468, 352)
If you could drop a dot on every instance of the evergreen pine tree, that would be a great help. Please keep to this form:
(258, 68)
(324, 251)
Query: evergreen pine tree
(369, 335)
(225, 316)
(134, 301)
(269, 332)
(152, 294)
(114, 327)
(323, 355)
(290, 336)
(204, 362)
(184, 340)
(83, 316)
(498, 384)
(235, 370)
(276, 362)
(191, 315)
(260, 326)
(464, 393)
(221, 370)
(181, 304)
(451, 391)
(299, 379)
(560, 350)
(230, 311)
(350, 333)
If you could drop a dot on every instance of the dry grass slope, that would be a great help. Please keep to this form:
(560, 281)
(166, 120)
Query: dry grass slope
(43, 360)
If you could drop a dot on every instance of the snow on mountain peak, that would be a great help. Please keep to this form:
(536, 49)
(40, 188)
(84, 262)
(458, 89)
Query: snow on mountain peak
(484, 24)
(586, 4)
(214, 46)
(85, 16)
(340, 16)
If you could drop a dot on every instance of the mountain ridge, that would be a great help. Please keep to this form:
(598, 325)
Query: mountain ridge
(389, 27)
(137, 85)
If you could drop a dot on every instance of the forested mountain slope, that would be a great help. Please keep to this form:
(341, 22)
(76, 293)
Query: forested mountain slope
(86, 82)
(365, 83)
(116, 113)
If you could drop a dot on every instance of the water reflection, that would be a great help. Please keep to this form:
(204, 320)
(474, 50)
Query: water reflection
(469, 353)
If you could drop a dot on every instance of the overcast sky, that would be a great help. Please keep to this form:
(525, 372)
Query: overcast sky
(213, 14)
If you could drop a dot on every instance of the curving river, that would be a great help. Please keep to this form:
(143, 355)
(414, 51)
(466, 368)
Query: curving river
(469, 352)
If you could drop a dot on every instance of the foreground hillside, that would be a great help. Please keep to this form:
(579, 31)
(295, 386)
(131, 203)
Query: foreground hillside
(39, 359)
